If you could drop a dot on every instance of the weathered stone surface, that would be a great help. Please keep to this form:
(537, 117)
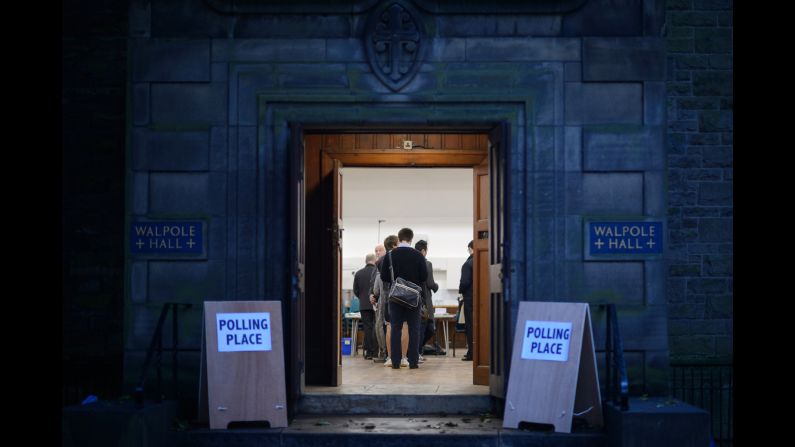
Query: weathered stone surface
(140, 104)
(654, 103)
(605, 18)
(178, 193)
(712, 83)
(623, 59)
(170, 151)
(715, 230)
(170, 60)
(520, 49)
(613, 193)
(628, 149)
(616, 282)
(189, 103)
(713, 40)
(604, 103)
(715, 193)
(503, 25)
(177, 281)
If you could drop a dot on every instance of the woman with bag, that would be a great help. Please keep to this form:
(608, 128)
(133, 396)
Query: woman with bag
(404, 268)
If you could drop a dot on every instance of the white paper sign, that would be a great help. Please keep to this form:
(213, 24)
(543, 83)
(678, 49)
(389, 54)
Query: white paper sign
(546, 340)
(243, 331)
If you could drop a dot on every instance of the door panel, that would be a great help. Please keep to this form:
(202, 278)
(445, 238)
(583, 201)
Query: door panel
(336, 268)
(294, 310)
(330, 272)
(480, 277)
(499, 182)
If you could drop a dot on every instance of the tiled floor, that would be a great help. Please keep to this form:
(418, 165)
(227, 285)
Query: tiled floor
(442, 375)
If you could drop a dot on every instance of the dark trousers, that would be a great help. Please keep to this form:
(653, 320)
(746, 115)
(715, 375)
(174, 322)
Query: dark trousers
(426, 331)
(397, 315)
(368, 321)
(468, 324)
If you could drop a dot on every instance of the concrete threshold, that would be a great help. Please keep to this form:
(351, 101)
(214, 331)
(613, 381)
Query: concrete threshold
(370, 404)
(369, 431)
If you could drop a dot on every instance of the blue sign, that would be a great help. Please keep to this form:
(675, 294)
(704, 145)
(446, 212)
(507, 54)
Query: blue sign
(608, 238)
(166, 237)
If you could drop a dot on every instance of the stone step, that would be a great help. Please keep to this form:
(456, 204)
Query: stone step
(392, 404)
(398, 431)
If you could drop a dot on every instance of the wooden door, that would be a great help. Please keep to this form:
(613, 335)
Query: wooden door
(480, 276)
(336, 268)
(499, 268)
(294, 316)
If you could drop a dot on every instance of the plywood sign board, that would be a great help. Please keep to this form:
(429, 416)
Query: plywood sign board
(245, 362)
(553, 367)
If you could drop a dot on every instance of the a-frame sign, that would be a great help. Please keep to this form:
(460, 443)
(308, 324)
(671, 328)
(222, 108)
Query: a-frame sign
(553, 368)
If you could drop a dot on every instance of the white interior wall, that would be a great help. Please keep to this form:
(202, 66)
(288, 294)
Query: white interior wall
(435, 203)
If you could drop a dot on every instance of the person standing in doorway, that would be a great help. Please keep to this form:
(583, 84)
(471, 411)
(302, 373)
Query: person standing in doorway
(361, 288)
(380, 335)
(408, 264)
(379, 293)
(427, 327)
(465, 290)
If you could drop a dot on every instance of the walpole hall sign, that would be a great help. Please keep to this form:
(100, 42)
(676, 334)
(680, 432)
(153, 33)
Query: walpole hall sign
(167, 238)
(624, 238)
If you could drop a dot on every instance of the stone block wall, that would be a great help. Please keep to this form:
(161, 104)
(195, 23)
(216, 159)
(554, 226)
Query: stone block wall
(699, 34)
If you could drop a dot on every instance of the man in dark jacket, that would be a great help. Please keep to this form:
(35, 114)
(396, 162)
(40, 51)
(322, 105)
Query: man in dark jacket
(427, 327)
(362, 282)
(465, 289)
(408, 264)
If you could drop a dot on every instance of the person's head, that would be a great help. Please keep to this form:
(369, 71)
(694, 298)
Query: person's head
(470, 250)
(369, 259)
(405, 235)
(422, 247)
(390, 242)
(379, 251)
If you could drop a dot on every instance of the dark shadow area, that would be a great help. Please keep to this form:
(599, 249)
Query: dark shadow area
(248, 425)
(93, 95)
(532, 426)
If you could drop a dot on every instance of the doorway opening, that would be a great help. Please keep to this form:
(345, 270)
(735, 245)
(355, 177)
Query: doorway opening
(437, 204)
(321, 160)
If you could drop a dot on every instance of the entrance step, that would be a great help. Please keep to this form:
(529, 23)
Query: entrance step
(392, 404)
(367, 431)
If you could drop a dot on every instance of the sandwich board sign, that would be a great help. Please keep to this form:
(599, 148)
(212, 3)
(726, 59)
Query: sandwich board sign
(553, 367)
(245, 362)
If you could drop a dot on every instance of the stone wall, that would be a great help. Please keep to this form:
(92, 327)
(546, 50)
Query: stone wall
(699, 35)
(582, 89)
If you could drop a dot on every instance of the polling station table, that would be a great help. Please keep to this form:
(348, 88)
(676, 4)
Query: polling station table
(445, 319)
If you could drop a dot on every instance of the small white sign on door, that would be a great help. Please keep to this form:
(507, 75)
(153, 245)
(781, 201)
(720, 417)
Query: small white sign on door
(546, 340)
(243, 331)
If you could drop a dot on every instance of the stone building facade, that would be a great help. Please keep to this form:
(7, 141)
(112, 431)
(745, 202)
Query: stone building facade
(618, 109)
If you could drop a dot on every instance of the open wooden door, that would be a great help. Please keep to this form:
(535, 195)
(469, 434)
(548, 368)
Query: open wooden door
(480, 276)
(336, 238)
(327, 366)
(294, 346)
(499, 268)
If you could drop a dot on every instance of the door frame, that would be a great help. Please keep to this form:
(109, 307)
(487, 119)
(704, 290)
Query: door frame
(392, 158)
